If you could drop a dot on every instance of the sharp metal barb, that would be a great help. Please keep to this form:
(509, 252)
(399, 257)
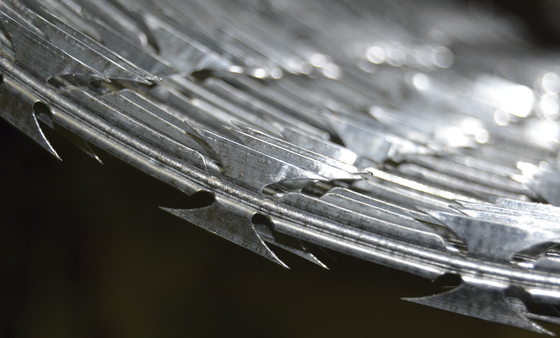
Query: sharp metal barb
(85, 49)
(364, 222)
(17, 109)
(53, 61)
(508, 239)
(178, 48)
(230, 221)
(304, 160)
(480, 301)
(388, 133)
(232, 154)
(142, 58)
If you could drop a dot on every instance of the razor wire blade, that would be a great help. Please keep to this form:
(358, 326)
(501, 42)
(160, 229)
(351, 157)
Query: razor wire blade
(420, 138)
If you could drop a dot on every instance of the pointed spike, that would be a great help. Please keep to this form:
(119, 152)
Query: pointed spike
(269, 143)
(301, 252)
(320, 167)
(80, 143)
(480, 301)
(51, 61)
(522, 309)
(376, 211)
(294, 246)
(546, 185)
(117, 16)
(18, 111)
(252, 169)
(140, 57)
(230, 221)
(85, 49)
(147, 112)
(539, 221)
(361, 221)
(363, 141)
(480, 206)
(398, 195)
(176, 47)
(319, 145)
(527, 206)
(377, 203)
(507, 239)
(321, 253)
(121, 119)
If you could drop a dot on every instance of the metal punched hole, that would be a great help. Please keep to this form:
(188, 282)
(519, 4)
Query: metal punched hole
(40, 108)
(201, 199)
(448, 281)
(264, 225)
(260, 219)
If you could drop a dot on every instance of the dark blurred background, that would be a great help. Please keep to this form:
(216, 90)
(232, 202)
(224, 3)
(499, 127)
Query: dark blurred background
(85, 252)
(540, 17)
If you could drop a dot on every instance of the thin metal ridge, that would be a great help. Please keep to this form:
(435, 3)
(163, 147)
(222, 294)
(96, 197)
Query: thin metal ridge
(341, 179)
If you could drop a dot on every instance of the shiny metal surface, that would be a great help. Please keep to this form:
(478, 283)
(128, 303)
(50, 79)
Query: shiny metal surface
(369, 130)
